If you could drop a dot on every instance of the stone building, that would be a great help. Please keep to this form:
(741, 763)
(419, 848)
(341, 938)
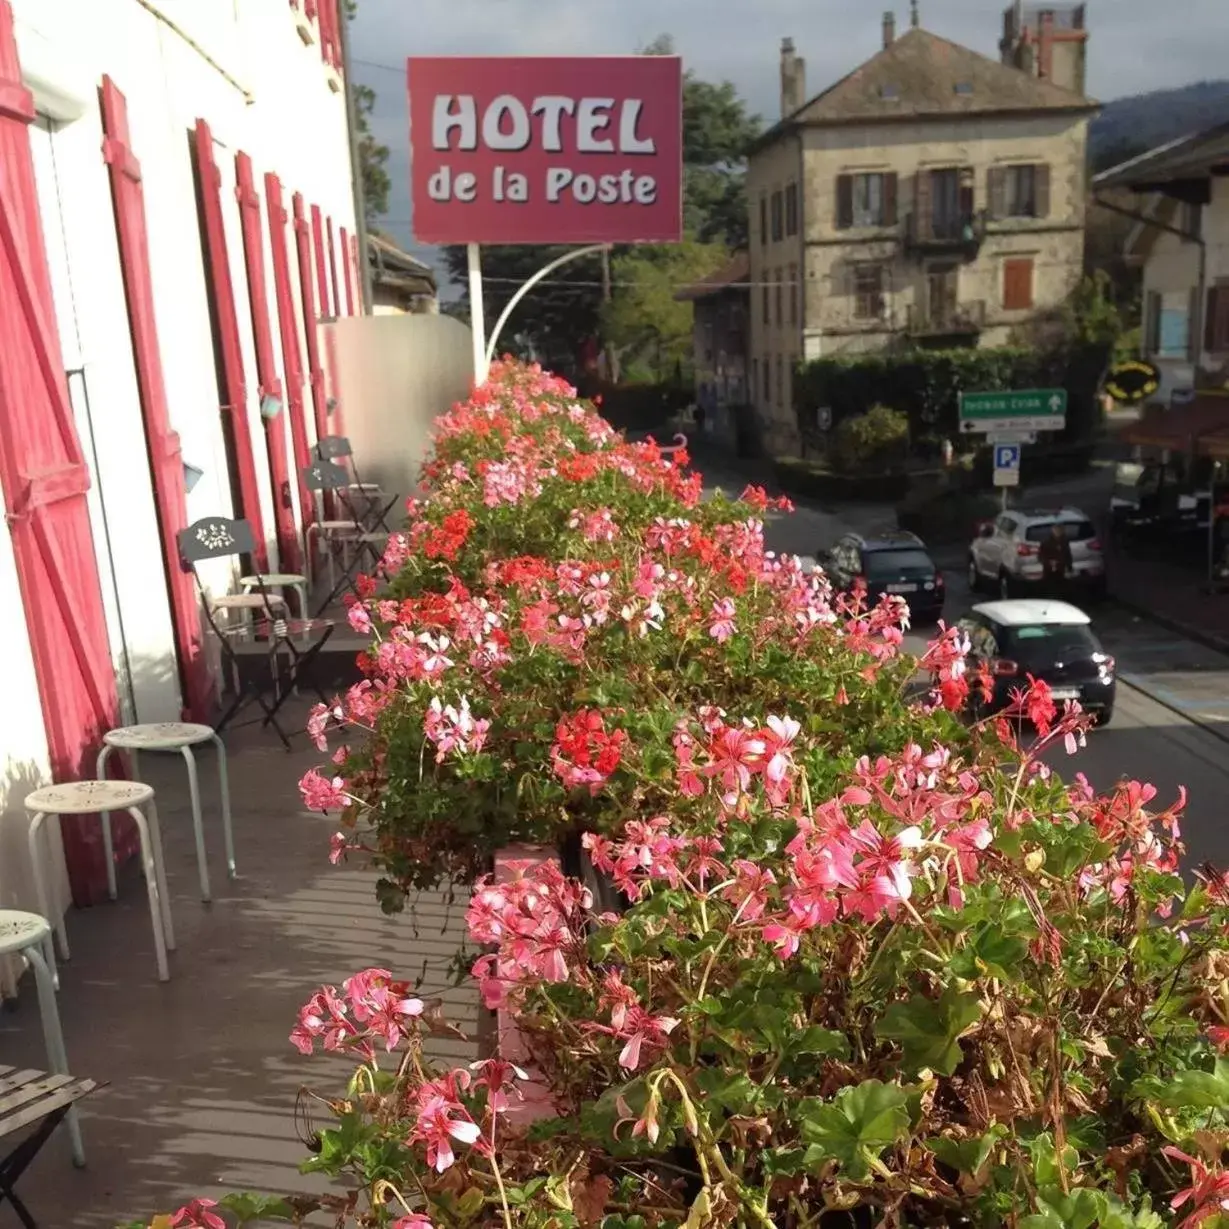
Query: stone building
(931, 197)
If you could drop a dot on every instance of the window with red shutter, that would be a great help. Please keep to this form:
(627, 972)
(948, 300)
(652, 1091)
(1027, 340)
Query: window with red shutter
(45, 479)
(288, 328)
(233, 384)
(165, 459)
(1018, 284)
(307, 297)
(266, 369)
(348, 268)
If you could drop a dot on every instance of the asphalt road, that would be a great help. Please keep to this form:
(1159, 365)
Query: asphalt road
(1171, 721)
(1169, 726)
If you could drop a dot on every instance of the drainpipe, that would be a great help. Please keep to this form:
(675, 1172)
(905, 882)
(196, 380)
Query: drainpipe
(356, 170)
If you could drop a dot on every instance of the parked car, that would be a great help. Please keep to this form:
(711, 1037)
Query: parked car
(893, 562)
(1050, 640)
(1004, 554)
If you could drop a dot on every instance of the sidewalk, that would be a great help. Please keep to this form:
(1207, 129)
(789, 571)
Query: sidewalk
(1172, 595)
(202, 1079)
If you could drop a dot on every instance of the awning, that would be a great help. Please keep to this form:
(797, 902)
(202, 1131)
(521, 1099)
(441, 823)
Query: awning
(1196, 427)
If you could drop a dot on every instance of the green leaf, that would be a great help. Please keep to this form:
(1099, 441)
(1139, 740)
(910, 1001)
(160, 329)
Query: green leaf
(988, 953)
(929, 1030)
(1198, 1089)
(967, 1156)
(826, 1042)
(856, 1125)
(249, 1207)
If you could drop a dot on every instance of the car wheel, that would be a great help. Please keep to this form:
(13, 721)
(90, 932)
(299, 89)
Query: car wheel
(1102, 718)
(974, 576)
(1005, 586)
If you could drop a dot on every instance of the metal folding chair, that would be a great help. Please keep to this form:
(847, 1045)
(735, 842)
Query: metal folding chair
(218, 537)
(370, 495)
(326, 477)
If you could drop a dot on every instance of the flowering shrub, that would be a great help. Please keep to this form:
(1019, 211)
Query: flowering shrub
(571, 635)
(876, 966)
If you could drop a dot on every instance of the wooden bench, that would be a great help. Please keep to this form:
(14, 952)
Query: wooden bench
(32, 1099)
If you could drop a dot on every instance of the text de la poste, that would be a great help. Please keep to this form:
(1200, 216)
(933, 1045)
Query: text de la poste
(546, 150)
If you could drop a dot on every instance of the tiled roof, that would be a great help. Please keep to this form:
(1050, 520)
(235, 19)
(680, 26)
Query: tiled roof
(736, 272)
(920, 74)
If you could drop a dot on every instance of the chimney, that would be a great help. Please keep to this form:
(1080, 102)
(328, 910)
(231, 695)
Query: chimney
(793, 79)
(889, 30)
(914, 19)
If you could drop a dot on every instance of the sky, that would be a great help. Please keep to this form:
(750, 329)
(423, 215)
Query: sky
(1134, 45)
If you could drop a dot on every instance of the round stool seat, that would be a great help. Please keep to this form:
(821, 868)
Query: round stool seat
(274, 578)
(158, 736)
(88, 797)
(19, 930)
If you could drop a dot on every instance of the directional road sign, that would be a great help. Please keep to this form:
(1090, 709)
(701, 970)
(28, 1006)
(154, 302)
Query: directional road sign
(1011, 437)
(1033, 409)
(1007, 465)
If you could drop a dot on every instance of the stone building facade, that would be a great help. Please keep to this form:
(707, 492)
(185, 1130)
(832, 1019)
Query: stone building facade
(932, 197)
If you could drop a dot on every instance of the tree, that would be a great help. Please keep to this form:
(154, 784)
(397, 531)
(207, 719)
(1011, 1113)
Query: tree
(372, 156)
(717, 130)
(562, 315)
(643, 319)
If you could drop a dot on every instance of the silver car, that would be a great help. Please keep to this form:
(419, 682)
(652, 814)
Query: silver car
(1004, 556)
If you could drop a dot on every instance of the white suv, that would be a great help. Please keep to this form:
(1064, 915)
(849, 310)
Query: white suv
(1004, 555)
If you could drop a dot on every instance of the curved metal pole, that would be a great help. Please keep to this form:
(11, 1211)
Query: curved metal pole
(528, 285)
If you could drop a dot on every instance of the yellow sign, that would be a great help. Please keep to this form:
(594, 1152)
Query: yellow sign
(1132, 382)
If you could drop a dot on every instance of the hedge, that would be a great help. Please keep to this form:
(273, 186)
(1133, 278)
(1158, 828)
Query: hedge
(926, 384)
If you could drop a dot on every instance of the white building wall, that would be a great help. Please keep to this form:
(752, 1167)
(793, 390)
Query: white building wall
(266, 92)
(1172, 271)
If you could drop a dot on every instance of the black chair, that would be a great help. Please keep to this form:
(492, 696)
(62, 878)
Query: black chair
(363, 498)
(328, 477)
(218, 537)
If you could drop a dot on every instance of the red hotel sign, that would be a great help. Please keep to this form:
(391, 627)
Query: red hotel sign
(546, 150)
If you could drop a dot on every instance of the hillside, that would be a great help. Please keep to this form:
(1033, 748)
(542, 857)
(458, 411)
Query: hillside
(1128, 126)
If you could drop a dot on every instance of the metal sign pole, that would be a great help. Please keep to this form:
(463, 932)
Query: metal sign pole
(477, 317)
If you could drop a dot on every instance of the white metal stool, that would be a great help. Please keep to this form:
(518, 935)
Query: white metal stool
(29, 935)
(178, 736)
(100, 798)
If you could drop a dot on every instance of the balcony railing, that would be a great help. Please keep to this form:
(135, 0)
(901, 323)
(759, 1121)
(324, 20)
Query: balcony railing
(951, 234)
(936, 320)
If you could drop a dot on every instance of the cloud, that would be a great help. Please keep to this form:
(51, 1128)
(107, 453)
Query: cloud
(1135, 45)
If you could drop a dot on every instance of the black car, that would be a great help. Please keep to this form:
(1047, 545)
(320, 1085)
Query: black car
(1051, 641)
(896, 563)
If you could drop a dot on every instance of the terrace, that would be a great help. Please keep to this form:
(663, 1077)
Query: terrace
(201, 1079)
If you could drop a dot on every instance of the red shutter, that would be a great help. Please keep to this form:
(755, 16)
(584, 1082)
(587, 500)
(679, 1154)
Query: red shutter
(322, 281)
(165, 461)
(288, 325)
(348, 267)
(358, 272)
(303, 243)
(226, 342)
(334, 283)
(266, 371)
(329, 37)
(44, 479)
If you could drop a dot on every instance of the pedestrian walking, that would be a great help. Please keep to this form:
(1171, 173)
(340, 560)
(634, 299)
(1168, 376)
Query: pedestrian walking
(1054, 555)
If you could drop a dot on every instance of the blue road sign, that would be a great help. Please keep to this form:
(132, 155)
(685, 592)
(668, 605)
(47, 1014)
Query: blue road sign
(1007, 456)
